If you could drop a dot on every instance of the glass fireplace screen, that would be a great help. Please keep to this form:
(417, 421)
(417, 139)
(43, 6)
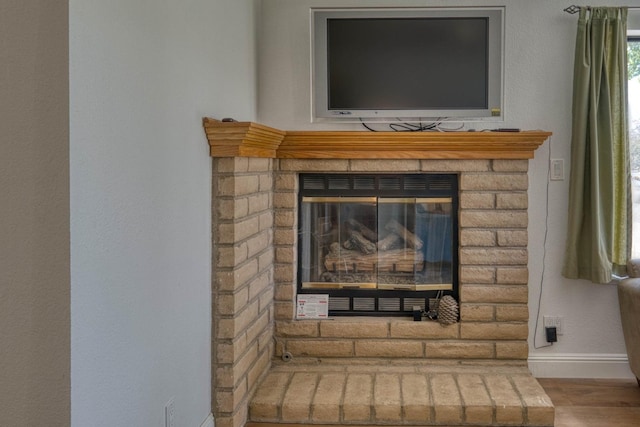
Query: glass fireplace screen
(378, 244)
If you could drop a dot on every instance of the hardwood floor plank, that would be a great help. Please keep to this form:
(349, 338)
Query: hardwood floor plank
(592, 392)
(581, 416)
(594, 402)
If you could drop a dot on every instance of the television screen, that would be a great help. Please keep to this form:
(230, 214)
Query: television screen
(405, 64)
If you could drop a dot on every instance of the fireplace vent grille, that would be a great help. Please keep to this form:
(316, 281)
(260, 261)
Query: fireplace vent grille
(409, 183)
(367, 304)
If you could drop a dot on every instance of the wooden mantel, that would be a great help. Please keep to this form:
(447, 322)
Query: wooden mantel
(248, 139)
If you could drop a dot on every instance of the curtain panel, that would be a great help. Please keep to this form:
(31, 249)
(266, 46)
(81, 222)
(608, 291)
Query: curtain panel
(598, 222)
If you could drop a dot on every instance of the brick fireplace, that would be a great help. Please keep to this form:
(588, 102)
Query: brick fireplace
(255, 233)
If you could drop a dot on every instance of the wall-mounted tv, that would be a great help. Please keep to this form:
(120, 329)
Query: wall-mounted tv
(407, 64)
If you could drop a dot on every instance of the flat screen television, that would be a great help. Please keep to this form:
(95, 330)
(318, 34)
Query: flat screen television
(407, 64)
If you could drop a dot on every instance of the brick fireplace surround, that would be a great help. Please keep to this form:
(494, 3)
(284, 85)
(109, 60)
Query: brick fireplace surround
(479, 362)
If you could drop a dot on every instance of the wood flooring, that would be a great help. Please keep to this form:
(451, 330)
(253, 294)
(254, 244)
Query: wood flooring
(594, 402)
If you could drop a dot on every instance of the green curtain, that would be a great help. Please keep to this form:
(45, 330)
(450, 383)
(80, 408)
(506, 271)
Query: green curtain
(599, 187)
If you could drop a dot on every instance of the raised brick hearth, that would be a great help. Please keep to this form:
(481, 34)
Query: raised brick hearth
(401, 392)
(254, 287)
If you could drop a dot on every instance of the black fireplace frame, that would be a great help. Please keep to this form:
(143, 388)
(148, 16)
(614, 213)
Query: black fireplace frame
(345, 302)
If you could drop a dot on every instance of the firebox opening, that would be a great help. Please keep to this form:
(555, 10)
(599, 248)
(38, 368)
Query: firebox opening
(378, 244)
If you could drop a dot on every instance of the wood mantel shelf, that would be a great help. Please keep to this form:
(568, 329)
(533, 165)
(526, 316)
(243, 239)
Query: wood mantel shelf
(248, 139)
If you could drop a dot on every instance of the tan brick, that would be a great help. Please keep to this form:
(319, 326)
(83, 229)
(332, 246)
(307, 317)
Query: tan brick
(510, 165)
(415, 396)
(458, 350)
(455, 165)
(229, 400)
(296, 406)
(222, 165)
(258, 164)
(258, 369)
(326, 402)
(396, 348)
(256, 328)
(507, 403)
(284, 200)
(229, 209)
(224, 376)
(516, 350)
(477, 312)
(284, 237)
(266, 341)
(478, 408)
(236, 278)
(224, 234)
(477, 238)
(385, 165)
(387, 399)
(494, 181)
(265, 261)
(222, 279)
(258, 202)
(265, 221)
(495, 294)
(512, 238)
(283, 273)
(259, 284)
(358, 398)
(237, 185)
(232, 327)
(493, 256)
(229, 376)
(297, 328)
(228, 304)
(512, 200)
(469, 200)
(266, 402)
(239, 418)
(494, 331)
(538, 406)
(320, 348)
(512, 275)
(493, 219)
(477, 275)
(283, 310)
(512, 312)
(421, 330)
(266, 185)
(314, 165)
(285, 254)
(284, 292)
(265, 301)
(354, 329)
(230, 255)
(286, 182)
(238, 231)
(285, 218)
(228, 351)
(446, 399)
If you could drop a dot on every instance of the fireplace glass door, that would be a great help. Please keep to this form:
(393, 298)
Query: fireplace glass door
(382, 250)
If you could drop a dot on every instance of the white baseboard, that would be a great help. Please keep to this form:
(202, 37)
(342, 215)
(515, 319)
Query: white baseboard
(208, 422)
(578, 365)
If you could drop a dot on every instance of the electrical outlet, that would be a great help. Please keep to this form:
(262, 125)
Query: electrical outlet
(557, 170)
(170, 413)
(554, 322)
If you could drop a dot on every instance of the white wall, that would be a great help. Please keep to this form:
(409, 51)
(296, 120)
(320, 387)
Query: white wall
(142, 75)
(540, 40)
(34, 214)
